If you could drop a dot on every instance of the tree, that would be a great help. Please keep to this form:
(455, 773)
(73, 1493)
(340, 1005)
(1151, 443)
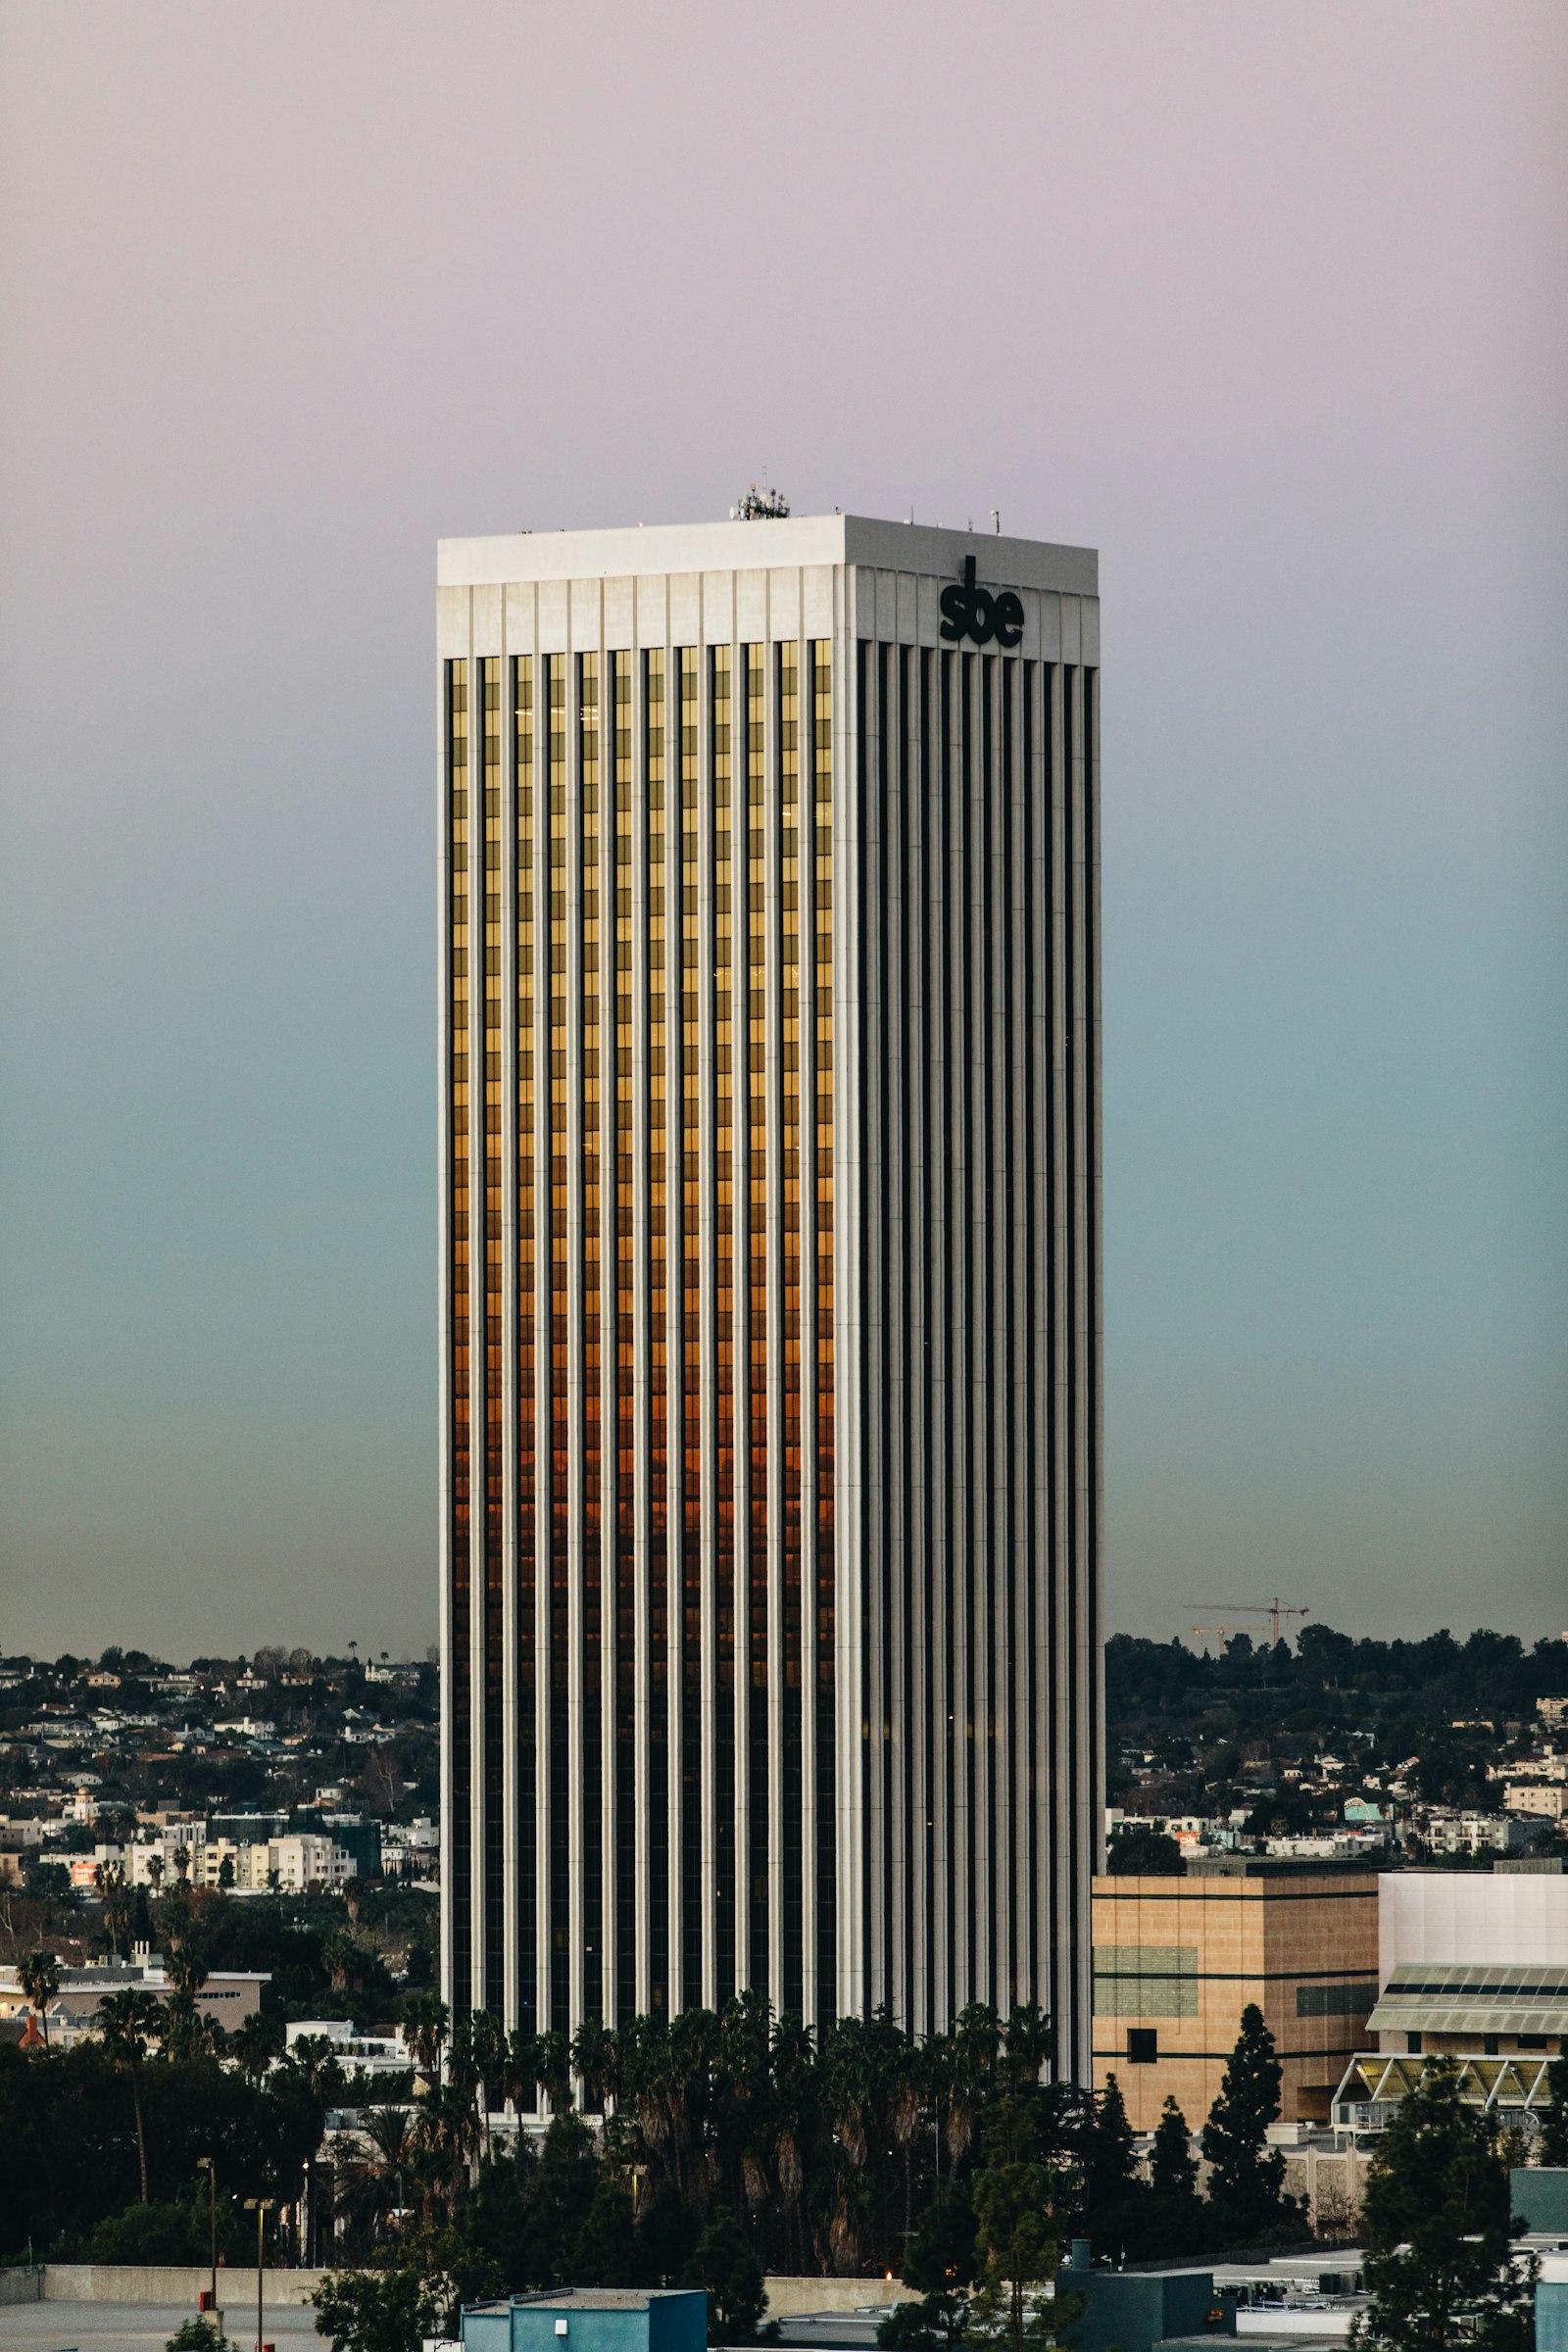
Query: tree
(425, 2030)
(1552, 2146)
(1246, 2177)
(1138, 1850)
(255, 2043)
(110, 1880)
(199, 2335)
(1175, 2218)
(607, 2250)
(38, 1974)
(126, 2020)
(185, 2032)
(1112, 2188)
(1440, 2259)
(724, 2264)
(373, 2166)
(313, 2058)
(411, 2292)
(939, 2260)
(1017, 2203)
(1172, 2165)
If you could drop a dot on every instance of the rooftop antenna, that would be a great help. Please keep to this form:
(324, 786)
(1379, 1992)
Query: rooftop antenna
(996, 520)
(760, 505)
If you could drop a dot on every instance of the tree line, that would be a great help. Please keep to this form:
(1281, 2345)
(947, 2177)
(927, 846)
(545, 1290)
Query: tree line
(719, 2145)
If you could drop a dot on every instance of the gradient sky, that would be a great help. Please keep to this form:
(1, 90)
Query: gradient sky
(1267, 302)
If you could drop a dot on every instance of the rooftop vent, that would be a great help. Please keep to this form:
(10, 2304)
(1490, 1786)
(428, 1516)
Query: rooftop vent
(760, 505)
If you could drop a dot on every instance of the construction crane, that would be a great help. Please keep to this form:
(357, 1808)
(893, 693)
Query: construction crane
(1222, 1630)
(1273, 1610)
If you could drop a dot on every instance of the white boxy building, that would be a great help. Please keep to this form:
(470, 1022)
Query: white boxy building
(769, 954)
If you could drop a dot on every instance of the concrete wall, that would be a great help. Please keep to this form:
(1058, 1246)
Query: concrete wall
(787, 2298)
(174, 2284)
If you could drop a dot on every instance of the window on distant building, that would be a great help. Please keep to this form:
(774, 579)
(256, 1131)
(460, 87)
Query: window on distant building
(1142, 2045)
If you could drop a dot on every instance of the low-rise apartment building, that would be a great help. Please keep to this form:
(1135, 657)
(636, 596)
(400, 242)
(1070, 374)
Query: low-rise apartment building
(229, 1996)
(285, 1865)
(1545, 1800)
(1447, 1830)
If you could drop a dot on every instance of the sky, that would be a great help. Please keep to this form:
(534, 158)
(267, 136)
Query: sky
(1268, 303)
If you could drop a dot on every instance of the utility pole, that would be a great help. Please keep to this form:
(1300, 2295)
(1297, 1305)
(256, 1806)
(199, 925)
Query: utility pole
(205, 2164)
(260, 2207)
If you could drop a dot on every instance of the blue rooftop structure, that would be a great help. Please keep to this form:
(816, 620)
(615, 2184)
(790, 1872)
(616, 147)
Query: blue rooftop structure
(1538, 2195)
(1132, 2311)
(610, 2319)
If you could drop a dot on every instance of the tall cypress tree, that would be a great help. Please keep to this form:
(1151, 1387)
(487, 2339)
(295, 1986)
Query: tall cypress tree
(1172, 2165)
(1111, 2186)
(1246, 2177)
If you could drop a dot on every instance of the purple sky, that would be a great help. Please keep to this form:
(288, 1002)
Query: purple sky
(1267, 302)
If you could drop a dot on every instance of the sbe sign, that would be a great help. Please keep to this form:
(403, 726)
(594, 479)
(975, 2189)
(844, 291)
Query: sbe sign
(971, 612)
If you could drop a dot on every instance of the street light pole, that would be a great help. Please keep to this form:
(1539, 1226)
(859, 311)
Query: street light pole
(205, 2164)
(262, 2207)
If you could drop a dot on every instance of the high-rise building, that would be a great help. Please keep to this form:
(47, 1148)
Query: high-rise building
(770, 1271)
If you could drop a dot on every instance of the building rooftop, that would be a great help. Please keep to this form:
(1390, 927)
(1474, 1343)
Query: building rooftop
(1424, 1996)
(799, 539)
(589, 2299)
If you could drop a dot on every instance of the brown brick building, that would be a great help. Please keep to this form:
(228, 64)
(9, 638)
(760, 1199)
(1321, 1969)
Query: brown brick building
(1176, 1961)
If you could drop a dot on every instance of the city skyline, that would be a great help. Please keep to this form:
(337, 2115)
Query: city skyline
(1267, 307)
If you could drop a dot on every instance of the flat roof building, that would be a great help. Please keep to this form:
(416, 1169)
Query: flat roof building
(1473, 1965)
(770, 1271)
(1178, 1959)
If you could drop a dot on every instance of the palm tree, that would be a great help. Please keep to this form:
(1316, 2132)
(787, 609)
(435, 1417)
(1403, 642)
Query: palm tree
(488, 2045)
(39, 1978)
(517, 2079)
(1028, 2040)
(446, 2136)
(181, 2026)
(382, 2154)
(126, 2020)
(595, 2055)
(553, 2069)
(973, 2047)
(342, 1959)
(186, 1969)
(795, 2089)
(110, 1880)
(425, 2030)
(315, 2059)
(255, 2043)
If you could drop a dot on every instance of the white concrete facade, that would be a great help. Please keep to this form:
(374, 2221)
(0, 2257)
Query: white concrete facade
(1472, 1917)
(794, 1681)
